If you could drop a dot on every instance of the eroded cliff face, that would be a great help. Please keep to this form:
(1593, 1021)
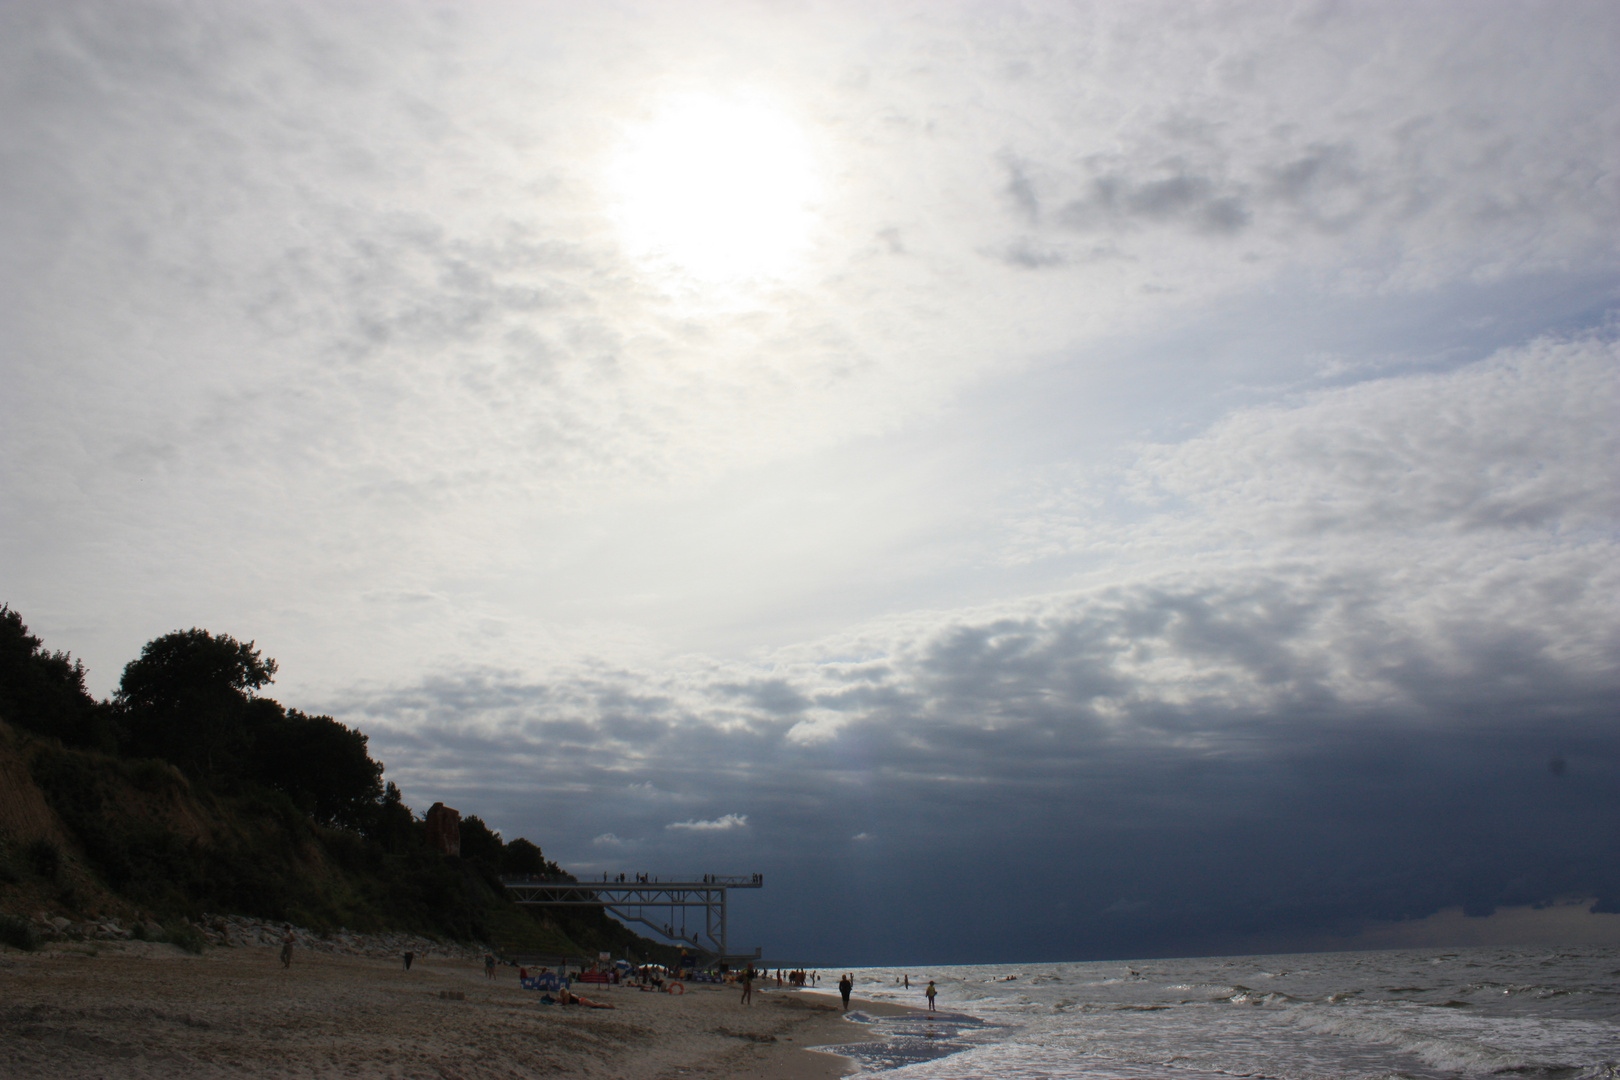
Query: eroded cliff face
(49, 867)
(99, 847)
(25, 816)
(43, 868)
(94, 847)
(84, 835)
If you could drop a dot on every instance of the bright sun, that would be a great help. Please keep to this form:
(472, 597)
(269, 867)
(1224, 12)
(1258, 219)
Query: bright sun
(717, 189)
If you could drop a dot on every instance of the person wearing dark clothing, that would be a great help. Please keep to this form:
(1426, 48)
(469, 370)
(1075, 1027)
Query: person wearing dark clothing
(408, 958)
(845, 985)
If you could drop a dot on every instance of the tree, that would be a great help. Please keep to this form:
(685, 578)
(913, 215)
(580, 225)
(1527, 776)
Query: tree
(392, 824)
(186, 699)
(40, 690)
(522, 857)
(480, 843)
(320, 763)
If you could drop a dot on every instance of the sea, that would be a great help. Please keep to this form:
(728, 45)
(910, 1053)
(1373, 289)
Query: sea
(1425, 1014)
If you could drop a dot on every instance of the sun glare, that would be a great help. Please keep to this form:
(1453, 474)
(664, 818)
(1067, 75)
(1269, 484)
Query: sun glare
(717, 189)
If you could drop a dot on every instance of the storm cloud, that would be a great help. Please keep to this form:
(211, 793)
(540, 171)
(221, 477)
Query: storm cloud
(1343, 714)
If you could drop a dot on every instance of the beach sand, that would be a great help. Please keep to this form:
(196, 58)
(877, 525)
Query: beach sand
(145, 1012)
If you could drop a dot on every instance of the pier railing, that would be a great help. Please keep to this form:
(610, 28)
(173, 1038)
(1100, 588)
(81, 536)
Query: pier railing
(628, 898)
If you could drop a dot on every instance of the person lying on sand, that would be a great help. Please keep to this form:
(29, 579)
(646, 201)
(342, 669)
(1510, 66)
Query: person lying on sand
(566, 996)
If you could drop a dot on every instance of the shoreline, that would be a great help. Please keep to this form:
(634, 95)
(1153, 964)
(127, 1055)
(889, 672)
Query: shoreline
(826, 1064)
(147, 1011)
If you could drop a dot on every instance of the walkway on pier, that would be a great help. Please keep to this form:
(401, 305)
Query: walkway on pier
(627, 896)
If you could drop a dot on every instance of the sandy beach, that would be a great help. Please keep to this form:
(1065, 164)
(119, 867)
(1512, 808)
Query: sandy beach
(140, 1010)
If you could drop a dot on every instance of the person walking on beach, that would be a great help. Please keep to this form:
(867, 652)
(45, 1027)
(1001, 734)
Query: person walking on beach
(930, 992)
(748, 985)
(287, 947)
(489, 966)
(845, 985)
(408, 958)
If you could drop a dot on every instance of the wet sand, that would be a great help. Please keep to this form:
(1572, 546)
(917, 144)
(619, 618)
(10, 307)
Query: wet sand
(145, 1012)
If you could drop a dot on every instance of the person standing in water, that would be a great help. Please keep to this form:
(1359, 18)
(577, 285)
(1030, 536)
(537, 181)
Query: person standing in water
(930, 992)
(845, 985)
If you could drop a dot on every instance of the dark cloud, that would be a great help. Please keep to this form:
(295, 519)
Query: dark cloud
(774, 696)
(1020, 191)
(1113, 201)
(1241, 796)
(1029, 255)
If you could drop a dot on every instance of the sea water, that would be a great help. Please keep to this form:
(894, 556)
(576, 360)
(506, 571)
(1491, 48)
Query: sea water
(1430, 1014)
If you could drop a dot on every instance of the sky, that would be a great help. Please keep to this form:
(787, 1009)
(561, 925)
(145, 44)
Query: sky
(1042, 481)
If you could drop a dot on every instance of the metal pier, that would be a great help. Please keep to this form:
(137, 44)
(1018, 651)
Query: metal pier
(629, 900)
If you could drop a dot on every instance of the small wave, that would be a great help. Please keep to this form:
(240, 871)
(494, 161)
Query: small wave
(1454, 1054)
(1252, 997)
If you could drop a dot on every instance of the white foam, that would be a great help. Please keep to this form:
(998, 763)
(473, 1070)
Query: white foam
(1354, 1016)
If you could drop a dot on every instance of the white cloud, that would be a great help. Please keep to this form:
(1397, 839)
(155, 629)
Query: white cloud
(721, 824)
(1413, 545)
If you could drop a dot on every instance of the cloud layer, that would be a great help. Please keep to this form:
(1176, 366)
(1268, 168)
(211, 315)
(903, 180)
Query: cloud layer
(1325, 664)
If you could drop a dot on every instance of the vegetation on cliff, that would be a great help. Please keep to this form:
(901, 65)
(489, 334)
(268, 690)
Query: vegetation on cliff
(190, 791)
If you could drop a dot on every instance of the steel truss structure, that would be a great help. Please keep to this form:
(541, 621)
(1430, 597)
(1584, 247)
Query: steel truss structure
(628, 902)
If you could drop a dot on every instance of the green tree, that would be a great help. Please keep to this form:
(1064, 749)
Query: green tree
(480, 843)
(44, 691)
(186, 698)
(392, 825)
(522, 857)
(320, 763)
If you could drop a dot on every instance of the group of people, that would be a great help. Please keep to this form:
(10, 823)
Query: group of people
(800, 978)
(646, 879)
(797, 978)
(905, 980)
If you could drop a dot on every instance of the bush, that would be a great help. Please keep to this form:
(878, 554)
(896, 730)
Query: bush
(186, 936)
(18, 933)
(155, 777)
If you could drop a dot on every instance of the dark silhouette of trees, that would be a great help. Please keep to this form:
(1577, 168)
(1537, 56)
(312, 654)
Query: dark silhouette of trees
(188, 698)
(480, 843)
(392, 824)
(522, 857)
(321, 764)
(298, 822)
(44, 691)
